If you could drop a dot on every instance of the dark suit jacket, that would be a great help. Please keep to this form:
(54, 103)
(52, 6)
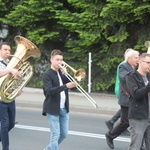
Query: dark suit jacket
(138, 103)
(52, 89)
(124, 69)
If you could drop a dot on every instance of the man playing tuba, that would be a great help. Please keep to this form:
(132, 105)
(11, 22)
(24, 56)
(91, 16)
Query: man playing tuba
(7, 110)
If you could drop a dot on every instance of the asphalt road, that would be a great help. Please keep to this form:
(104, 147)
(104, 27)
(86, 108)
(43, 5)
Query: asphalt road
(86, 132)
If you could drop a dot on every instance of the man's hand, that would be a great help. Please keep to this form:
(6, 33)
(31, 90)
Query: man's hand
(19, 93)
(15, 73)
(71, 85)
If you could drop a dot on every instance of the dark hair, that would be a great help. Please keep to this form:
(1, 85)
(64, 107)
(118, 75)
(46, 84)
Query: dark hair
(143, 55)
(56, 52)
(4, 43)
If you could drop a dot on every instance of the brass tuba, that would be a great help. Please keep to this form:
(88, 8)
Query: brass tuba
(10, 86)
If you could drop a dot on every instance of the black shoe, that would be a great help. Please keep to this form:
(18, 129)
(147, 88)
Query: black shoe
(109, 125)
(109, 141)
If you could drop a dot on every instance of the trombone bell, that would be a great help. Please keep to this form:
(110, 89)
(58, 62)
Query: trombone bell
(80, 75)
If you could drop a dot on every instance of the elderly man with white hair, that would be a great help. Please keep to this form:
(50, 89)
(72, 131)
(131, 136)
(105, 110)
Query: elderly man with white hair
(131, 61)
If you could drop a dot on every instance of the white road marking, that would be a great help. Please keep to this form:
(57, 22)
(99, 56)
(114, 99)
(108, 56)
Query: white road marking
(85, 134)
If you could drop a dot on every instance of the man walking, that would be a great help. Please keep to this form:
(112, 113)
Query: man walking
(131, 61)
(138, 83)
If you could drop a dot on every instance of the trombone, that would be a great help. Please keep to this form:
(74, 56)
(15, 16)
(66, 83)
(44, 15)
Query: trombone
(78, 75)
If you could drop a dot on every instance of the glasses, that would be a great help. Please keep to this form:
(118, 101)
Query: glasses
(148, 62)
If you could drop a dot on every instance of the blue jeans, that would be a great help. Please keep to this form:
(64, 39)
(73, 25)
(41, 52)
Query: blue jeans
(58, 128)
(7, 122)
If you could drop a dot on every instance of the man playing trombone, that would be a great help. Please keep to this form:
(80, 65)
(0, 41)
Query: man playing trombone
(56, 103)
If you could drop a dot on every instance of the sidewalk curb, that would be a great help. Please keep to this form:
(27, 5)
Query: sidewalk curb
(38, 90)
(105, 109)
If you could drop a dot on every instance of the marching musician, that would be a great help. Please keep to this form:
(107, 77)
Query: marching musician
(56, 103)
(7, 110)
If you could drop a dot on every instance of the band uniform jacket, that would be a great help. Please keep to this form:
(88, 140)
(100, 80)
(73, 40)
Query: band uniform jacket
(51, 90)
(124, 69)
(138, 103)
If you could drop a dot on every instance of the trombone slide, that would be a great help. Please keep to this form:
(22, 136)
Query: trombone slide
(89, 98)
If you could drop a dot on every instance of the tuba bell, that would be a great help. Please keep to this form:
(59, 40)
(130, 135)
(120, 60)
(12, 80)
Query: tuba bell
(9, 85)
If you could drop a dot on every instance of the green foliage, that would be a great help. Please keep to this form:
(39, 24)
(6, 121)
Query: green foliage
(36, 19)
(77, 27)
(2, 6)
(120, 36)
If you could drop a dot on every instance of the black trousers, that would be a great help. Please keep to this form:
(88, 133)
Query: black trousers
(116, 116)
(122, 125)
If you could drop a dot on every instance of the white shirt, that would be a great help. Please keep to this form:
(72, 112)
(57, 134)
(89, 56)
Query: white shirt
(62, 94)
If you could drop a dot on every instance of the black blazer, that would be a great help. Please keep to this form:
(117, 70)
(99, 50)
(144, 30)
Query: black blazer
(51, 90)
(124, 69)
(138, 102)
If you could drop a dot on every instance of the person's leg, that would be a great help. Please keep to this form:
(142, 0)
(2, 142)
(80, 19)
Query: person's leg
(54, 130)
(116, 116)
(122, 125)
(4, 120)
(110, 123)
(0, 132)
(137, 129)
(147, 137)
(11, 114)
(64, 123)
(119, 128)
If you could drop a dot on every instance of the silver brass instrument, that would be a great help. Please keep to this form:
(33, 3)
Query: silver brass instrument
(78, 75)
(9, 85)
